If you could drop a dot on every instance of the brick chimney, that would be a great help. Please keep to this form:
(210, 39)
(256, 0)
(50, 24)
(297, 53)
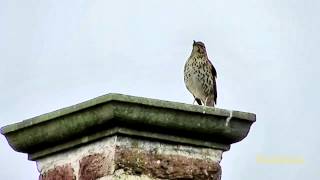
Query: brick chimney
(125, 137)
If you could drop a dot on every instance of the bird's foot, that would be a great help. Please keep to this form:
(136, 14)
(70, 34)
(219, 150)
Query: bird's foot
(204, 109)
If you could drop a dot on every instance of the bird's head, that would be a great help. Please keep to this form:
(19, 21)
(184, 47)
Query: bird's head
(199, 47)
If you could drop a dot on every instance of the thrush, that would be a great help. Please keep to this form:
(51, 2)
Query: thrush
(200, 76)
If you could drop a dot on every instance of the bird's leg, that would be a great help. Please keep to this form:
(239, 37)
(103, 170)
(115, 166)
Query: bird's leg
(204, 105)
(206, 101)
(194, 101)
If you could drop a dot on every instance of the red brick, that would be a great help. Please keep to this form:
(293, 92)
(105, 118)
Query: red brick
(166, 166)
(93, 167)
(64, 172)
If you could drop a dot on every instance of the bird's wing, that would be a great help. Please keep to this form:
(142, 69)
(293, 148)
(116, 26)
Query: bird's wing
(214, 74)
(215, 91)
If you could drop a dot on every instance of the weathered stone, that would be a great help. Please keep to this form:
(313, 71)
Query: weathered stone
(120, 114)
(64, 172)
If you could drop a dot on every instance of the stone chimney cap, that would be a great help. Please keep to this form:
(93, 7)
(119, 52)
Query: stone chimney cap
(113, 114)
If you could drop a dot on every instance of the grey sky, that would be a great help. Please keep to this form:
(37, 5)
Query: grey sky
(57, 53)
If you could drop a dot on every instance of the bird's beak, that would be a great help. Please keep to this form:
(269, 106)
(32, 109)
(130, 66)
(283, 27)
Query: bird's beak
(194, 42)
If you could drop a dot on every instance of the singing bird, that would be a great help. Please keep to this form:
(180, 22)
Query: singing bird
(200, 76)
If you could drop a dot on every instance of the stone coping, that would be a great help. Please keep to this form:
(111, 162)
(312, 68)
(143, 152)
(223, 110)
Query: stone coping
(113, 114)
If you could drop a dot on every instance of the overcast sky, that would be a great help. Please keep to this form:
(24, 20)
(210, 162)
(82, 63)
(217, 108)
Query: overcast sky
(58, 53)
